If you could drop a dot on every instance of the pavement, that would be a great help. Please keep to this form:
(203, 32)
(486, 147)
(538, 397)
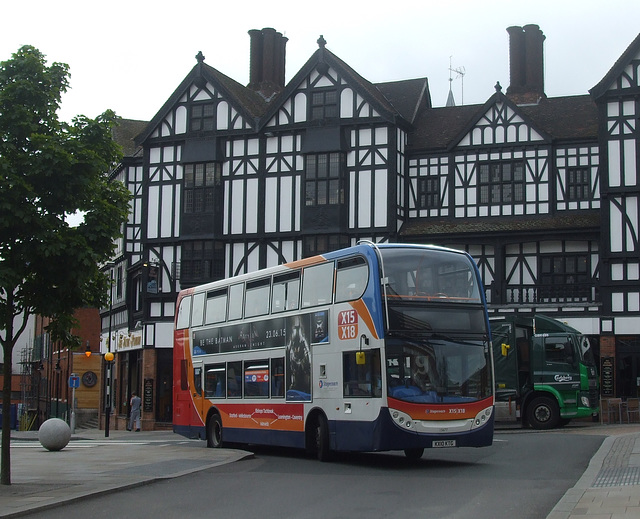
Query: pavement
(92, 464)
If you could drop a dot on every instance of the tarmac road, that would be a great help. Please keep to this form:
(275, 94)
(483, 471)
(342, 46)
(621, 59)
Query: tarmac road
(92, 465)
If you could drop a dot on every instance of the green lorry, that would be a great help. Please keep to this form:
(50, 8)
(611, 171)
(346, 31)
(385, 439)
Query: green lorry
(545, 372)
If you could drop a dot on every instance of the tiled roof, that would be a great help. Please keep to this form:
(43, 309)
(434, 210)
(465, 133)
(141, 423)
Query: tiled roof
(436, 128)
(493, 225)
(565, 118)
(250, 100)
(562, 118)
(409, 97)
(126, 132)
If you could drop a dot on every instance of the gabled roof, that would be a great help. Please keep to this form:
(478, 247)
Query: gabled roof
(247, 102)
(369, 91)
(409, 96)
(560, 118)
(617, 69)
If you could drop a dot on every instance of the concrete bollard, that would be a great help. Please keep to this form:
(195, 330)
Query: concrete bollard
(54, 434)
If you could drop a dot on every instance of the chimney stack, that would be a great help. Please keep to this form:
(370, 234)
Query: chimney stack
(526, 64)
(267, 61)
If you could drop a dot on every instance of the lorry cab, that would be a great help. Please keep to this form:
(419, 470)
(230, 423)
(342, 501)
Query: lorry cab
(545, 371)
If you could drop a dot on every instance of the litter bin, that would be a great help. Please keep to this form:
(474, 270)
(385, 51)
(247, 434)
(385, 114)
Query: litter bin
(13, 416)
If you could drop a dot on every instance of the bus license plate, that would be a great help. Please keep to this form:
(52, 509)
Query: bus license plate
(443, 443)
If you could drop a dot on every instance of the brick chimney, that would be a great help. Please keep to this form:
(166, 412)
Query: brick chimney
(267, 61)
(526, 64)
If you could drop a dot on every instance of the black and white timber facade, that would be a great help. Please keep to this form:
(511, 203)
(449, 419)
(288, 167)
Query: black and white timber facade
(543, 192)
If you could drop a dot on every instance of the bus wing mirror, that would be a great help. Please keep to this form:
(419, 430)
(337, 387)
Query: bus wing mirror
(360, 358)
(505, 349)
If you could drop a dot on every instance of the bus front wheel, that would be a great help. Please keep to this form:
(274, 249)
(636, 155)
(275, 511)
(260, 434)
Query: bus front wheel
(414, 454)
(543, 413)
(214, 432)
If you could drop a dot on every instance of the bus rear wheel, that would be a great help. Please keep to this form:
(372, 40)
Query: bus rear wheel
(543, 413)
(323, 452)
(214, 432)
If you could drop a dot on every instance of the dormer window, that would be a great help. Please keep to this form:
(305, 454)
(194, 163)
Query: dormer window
(202, 117)
(501, 182)
(324, 104)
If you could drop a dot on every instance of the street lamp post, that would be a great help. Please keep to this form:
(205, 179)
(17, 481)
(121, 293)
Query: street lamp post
(108, 357)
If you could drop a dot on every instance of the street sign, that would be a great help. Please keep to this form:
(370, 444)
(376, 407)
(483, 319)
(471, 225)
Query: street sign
(74, 382)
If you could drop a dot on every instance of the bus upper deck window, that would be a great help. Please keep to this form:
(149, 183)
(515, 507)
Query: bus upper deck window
(184, 313)
(216, 309)
(236, 301)
(197, 310)
(286, 292)
(317, 284)
(351, 279)
(257, 298)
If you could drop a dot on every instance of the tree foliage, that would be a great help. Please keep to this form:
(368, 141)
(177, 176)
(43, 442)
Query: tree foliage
(49, 170)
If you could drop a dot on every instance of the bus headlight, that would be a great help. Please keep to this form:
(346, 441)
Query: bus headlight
(482, 417)
(585, 401)
(402, 419)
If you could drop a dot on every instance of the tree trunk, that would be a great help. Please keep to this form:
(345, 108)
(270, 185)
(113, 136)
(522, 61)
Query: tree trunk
(5, 476)
(7, 348)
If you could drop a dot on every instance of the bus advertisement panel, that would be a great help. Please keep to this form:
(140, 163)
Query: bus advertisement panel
(370, 348)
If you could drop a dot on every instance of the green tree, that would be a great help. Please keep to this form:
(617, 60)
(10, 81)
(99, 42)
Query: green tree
(48, 170)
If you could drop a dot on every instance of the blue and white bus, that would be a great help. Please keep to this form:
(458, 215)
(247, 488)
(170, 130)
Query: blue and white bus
(375, 347)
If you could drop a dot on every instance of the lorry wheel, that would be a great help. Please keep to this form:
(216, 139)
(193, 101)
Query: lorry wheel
(543, 413)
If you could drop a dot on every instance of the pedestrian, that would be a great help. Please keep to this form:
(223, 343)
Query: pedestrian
(134, 418)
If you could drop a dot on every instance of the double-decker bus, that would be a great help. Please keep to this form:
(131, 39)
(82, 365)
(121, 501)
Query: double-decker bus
(375, 347)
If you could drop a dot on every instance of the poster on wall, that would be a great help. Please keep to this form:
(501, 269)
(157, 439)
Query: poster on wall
(607, 382)
(147, 401)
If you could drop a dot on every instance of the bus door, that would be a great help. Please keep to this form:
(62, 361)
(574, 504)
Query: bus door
(505, 358)
(362, 380)
(196, 393)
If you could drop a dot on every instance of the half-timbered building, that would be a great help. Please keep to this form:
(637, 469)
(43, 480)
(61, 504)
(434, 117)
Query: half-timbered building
(228, 178)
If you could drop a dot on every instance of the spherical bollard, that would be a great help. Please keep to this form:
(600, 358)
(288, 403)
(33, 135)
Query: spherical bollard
(54, 434)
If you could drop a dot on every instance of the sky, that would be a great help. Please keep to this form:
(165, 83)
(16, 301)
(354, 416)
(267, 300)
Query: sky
(129, 56)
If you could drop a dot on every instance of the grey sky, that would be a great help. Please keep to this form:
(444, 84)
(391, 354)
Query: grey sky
(130, 55)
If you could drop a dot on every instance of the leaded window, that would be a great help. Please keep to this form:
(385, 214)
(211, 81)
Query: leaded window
(200, 184)
(564, 276)
(202, 117)
(324, 104)
(323, 179)
(428, 192)
(501, 182)
(578, 187)
(202, 260)
(321, 243)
